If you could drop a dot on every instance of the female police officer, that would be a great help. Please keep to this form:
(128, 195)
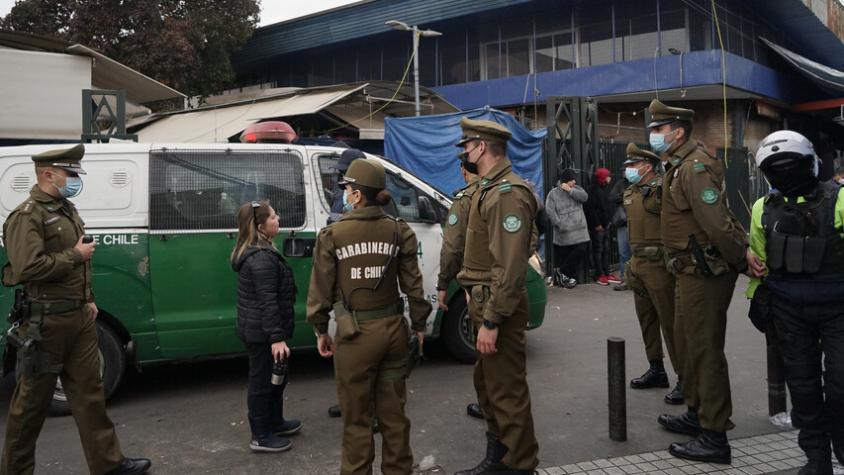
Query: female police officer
(360, 262)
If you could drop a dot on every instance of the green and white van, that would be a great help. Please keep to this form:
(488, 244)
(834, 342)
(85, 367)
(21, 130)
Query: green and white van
(163, 216)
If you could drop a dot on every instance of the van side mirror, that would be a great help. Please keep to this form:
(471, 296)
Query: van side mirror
(298, 247)
(427, 212)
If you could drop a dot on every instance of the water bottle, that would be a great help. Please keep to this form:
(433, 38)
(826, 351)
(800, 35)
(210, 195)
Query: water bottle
(279, 372)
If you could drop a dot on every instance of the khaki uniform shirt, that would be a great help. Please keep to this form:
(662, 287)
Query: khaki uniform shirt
(693, 202)
(39, 236)
(349, 259)
(498, 239)
(643, 204)
(454, 235)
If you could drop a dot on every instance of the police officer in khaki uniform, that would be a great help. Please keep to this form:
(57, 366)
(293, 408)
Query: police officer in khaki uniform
(495, 260)
(706, 247)
(652, 284)
(360, 263)
(451, 252)
(47, 255)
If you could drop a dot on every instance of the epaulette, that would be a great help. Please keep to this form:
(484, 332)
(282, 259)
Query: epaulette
(25, 208)
(505, 186)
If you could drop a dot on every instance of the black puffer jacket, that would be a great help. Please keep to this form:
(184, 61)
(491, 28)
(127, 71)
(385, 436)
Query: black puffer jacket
(266, 293)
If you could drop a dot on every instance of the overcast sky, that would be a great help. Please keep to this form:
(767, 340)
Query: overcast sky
(272, 11)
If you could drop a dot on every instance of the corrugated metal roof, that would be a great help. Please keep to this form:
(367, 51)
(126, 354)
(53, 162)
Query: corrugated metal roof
(357, 21)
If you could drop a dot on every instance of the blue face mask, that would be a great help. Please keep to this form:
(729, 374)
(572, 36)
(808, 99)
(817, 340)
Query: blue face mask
(632, 175)
(72, 187)
(346, 205)
(658, 143)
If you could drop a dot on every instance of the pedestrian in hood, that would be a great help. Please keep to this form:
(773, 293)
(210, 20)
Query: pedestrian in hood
(266, 293)
(598, 215)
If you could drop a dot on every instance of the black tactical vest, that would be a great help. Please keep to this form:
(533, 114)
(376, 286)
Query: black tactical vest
(805, 253)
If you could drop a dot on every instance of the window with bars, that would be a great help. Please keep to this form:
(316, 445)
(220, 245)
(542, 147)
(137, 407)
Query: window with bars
(194, 190)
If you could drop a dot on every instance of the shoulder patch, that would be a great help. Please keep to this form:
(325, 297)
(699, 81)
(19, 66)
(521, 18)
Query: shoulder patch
(452, 219)
(709, 195)
(699, 167)
(505, 187)
(512, 223)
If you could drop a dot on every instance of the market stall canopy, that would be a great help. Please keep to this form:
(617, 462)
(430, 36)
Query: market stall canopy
(829, 79)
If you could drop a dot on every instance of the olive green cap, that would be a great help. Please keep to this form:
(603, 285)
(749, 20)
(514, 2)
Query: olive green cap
(662, 114)
(482, 130)
(636, 154)
(365, 172)
(64, 158)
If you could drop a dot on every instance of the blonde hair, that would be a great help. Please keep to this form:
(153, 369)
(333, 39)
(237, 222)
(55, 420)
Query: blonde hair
(249, 217)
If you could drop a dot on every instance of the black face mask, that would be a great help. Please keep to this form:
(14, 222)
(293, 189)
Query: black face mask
(792, 177)
(466, 164)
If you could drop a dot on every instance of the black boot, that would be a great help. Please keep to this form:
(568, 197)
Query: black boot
(710, 446)
(495, 451)
(817, 467)
(686, 423)
(654, 377)
(131, 467)
(475, 410)
(675, 397)
(334, 411)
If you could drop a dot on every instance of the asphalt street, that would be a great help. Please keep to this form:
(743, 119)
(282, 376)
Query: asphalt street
(191, 417)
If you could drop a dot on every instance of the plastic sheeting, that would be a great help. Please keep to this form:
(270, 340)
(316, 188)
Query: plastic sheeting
(425, 146)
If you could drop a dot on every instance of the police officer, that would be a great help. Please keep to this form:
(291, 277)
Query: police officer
(797, 232)
(360, 263)
(706, 247)
(451, 253)
(495, 260)
(346, 158)
(652, 284)
(47, 255)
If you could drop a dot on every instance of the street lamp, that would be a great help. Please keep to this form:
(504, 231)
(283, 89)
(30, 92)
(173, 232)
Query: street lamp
(402, 26)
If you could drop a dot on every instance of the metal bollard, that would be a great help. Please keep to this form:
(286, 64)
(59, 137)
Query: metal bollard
(776, 376)
(617, 389)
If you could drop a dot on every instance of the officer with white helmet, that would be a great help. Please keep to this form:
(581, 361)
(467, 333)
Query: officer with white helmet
(798, 257)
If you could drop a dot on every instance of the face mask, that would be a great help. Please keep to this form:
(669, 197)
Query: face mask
(72, 187)
(632, 175)
(346, 205)
(466, 164)
(658, 143)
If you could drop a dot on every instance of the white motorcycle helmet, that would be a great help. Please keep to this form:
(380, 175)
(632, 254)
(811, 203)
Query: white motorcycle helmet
(784, 143)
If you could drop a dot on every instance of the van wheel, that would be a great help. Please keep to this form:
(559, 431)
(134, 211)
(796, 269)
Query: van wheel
(458, 331)
(112, 367)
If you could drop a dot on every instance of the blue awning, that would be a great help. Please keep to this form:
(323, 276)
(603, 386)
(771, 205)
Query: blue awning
(827, 78)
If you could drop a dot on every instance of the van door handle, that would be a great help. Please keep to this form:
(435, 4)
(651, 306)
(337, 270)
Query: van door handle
(299, 247)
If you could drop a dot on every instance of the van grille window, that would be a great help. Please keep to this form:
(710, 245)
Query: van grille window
(203, 189)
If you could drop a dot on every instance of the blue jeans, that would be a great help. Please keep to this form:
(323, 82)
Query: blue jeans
(623, 249)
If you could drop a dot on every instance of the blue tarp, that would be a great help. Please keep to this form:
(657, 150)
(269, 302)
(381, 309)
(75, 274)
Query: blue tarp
(425, 146)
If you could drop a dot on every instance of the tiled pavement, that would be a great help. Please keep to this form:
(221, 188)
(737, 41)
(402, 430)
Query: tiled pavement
(770, 453)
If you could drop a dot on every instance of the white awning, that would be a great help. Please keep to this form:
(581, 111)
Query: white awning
(220, 123)
(110, 74)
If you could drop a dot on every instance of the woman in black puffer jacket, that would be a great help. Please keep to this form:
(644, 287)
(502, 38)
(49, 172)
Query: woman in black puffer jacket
(265, 297)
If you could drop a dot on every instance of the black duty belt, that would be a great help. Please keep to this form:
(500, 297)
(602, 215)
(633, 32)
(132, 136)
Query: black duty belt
(382, 312)
(53, 307)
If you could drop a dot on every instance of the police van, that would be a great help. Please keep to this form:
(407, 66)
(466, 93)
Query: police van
(163, 218)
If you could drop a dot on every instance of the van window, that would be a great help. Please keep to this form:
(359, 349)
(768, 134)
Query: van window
(203, 189)
(405, 202)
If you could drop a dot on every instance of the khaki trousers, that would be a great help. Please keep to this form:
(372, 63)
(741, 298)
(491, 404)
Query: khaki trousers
(501, 383)
(362, 396)
(702, 304)
(69, 339)
(653, 288)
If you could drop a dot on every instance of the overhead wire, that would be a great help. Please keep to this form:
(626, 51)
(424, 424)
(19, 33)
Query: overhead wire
(723, 82)
(389, 101)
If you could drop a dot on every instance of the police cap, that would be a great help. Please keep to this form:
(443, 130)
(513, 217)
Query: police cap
(365, 172)
(348, 156)
(636, 154)
(64, 158)
(482, 130)
(662, 114)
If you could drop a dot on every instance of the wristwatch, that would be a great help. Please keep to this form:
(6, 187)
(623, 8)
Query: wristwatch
(490, 324)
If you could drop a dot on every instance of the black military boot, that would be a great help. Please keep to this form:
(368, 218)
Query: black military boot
(654, 377)
(495, 451)
(710, 446)
(675, 397)
(131, 467)
(686, 423)
(475, 410)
